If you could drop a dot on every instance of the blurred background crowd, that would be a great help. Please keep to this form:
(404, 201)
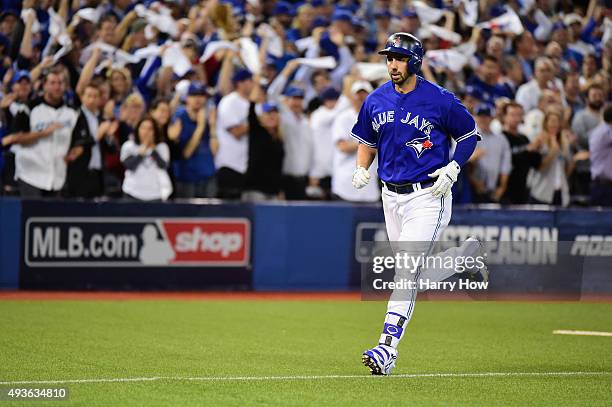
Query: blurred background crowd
(255, 99)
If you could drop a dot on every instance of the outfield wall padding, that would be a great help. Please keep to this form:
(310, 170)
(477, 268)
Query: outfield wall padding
(214, 245)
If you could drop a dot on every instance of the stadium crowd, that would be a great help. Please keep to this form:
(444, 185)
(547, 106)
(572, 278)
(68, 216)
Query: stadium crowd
(255, 99)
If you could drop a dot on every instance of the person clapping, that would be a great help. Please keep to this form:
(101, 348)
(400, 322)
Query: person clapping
(146, 161)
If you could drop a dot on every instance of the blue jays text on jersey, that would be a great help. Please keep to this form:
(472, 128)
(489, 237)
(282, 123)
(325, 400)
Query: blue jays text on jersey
(412, 132)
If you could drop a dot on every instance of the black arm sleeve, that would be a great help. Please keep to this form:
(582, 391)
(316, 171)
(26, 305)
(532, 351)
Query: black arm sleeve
(158, 160)
(16, 38)
(132, 162)
(253, 119)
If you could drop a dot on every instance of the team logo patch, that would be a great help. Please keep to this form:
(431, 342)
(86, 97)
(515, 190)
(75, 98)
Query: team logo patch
(397, 42)
(420, 145)
(393, 330)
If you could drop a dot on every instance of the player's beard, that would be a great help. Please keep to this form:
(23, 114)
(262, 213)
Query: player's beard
(400, 78)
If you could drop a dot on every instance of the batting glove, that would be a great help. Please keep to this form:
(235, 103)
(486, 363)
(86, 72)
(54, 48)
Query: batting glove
(361, 177)
(447, 176)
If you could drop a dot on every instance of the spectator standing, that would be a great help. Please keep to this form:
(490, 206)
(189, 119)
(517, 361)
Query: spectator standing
(321, 122)
(587, 119)
(549, 184)
(112, 134)
(13, 103)
(582, 124)
(573, 97)
(600, 146)
(345, 151)
(194, 167)
(524, 156)
(525, 48)
(266, 153)
(146, 160)
(534, 118)
(529, 93)
(295, 129)
(233, 131)
(44, 138)
(487, 83)
(84, 176)
(492, 160)
(298, 144)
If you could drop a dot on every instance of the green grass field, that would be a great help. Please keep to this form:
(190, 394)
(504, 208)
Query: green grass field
(223, 345)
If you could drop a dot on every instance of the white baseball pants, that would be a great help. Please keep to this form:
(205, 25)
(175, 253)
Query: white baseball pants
(421, 218)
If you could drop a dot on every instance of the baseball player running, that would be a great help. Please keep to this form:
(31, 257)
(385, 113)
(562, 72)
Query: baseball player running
(410, 122)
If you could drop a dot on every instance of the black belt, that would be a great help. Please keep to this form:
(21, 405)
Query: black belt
(407, 188)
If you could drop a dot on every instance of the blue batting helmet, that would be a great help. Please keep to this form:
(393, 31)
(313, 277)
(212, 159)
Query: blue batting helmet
(407, 45)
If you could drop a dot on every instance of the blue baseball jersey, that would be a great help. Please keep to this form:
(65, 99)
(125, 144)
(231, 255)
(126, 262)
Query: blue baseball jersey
(412, 132)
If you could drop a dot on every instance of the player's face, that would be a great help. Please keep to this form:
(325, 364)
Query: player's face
(398, 68)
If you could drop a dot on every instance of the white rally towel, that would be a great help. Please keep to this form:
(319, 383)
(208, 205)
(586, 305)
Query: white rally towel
(607, 28)
(275, 44)
(90, 14)
(303, 43)
(318, 63)
(175, 58)
(450, 59)
(509, 22)
(120, 57)
(542, 32)
(250, 54)
(373, 71)
(215, 46)
(57, 25)
(453, 59)
(427, 14)
(444, 34)
(36, 24)
(65, 49)
(163, 20)
(470, 13)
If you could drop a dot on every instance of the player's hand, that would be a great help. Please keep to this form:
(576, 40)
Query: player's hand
(447, 176)
(361, 177)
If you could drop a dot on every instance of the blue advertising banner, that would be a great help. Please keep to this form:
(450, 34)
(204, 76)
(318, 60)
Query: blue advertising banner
(10, 242)
(279, 246)
(548, 251)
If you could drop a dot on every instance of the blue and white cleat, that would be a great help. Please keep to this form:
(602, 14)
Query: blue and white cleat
(479, 273)
(380, 360)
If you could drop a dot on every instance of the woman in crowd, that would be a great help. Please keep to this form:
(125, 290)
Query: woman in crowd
(112, 134)
(266, 153)
(549, 183)
(161, 112)
(146, 160)
(120, 81)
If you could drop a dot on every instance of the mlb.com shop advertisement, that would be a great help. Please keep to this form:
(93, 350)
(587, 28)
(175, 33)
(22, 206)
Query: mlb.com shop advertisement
(100, 252)
(135, 242)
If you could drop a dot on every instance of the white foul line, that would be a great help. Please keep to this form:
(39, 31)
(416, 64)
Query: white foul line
(320, 377)
(585, 333)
